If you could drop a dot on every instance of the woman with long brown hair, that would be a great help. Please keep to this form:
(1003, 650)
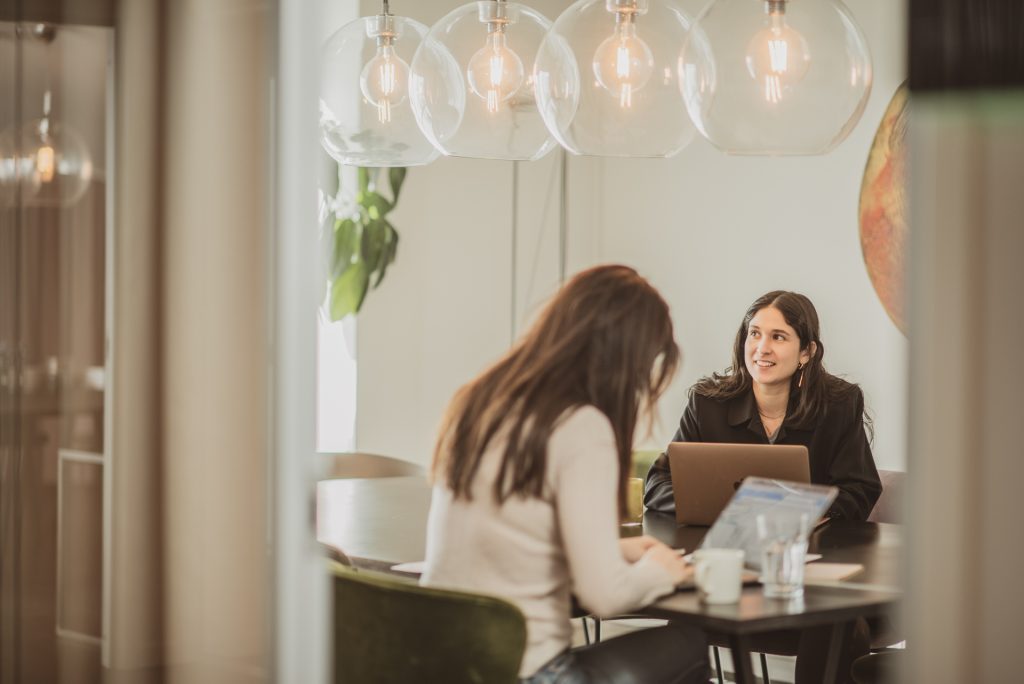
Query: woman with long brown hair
(529, 476)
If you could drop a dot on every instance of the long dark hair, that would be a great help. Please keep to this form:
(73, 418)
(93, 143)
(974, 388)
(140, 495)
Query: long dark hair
(605, 340)
(812, 388)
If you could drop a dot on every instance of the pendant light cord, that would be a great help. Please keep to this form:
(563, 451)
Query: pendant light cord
(563, 214)
(514, 247)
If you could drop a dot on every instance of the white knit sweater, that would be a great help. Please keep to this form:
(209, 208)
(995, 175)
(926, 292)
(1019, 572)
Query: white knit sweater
(535, 551)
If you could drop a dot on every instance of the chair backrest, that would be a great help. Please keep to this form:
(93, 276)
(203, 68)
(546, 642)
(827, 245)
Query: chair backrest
(889, 507)
(335, 554)
(392, 631)
(359, 465)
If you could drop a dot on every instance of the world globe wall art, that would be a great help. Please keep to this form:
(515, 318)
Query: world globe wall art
(883, 211)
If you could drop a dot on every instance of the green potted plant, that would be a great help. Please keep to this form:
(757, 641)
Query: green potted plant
(364, 242)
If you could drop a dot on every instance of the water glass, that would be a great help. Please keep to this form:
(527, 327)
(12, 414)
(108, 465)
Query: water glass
(783, 540)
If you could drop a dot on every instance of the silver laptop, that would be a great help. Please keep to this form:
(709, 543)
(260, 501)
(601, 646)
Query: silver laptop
(706, 475)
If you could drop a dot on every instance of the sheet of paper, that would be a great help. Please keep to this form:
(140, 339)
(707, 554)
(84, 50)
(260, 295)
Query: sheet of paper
(415, 568)
(830, 572)
(811, 557)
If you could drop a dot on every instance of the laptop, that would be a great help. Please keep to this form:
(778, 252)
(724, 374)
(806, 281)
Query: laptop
(736, 527)
(706, 475)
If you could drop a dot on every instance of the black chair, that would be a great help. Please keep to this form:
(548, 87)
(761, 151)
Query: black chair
(882, 667)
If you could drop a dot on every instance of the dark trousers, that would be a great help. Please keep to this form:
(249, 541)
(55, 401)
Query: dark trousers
(673, 654)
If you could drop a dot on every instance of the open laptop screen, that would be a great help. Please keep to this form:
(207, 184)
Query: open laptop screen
(705, 475)
(736, 527)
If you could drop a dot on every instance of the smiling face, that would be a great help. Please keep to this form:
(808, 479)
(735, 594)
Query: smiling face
(772, 351)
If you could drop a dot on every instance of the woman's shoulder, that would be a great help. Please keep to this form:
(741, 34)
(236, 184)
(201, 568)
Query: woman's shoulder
(583, 423)
(844, 399)
(579, 439)
(842, 391)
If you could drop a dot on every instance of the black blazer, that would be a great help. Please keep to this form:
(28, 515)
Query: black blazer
(838, 448)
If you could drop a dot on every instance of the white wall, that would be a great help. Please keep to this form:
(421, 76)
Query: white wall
(336, 341)
(712, 232)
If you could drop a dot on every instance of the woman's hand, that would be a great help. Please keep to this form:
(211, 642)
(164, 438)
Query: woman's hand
(633, 548)
(671, 560)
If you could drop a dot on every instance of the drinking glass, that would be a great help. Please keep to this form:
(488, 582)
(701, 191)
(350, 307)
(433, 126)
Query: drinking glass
(783, 540)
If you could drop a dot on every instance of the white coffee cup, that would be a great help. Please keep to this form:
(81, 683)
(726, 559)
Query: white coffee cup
(718, 574)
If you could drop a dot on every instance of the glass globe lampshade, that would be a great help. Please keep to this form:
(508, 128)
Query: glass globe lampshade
(365, 114)
(775, 77)
(607, 80)
(43, 163)
(472, 85)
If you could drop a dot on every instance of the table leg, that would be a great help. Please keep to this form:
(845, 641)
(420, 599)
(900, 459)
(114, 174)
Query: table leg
(741, 659)
(837, 643)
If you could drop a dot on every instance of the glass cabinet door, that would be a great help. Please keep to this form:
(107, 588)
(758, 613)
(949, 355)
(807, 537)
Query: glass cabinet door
(54, 85)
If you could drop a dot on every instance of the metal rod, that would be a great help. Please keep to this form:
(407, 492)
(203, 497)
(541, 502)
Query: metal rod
(563, 215)
(514, 280)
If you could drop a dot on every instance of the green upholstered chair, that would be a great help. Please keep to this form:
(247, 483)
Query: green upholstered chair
(393, 631)
(642, 461)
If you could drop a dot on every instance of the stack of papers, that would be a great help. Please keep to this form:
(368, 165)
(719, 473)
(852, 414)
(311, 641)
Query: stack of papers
(830, 572)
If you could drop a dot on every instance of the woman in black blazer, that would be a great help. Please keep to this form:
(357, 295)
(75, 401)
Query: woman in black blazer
(778, 392)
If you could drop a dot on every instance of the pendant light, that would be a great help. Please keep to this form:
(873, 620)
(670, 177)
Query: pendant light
(44, 162)
(472, 86)
(775, 76)
(365, 115)
(607, 80)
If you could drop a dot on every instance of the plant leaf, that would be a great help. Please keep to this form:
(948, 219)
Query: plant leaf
(349, 290)
(374, 205)
(390, 249)
(396, 176)
(374, 244)
(347, 236)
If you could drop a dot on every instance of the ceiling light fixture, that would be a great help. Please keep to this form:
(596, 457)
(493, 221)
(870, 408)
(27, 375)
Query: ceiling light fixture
(472, 90)
(607, 78)
(45, 162)
(365, 115)
(775, 77)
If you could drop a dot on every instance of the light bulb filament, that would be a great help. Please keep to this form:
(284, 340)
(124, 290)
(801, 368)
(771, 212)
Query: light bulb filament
(777, 56)
(387, 78)
(46, 163)
(772, 89)
(623, 63)
(495, 72)
(622, 58)
(384, 79)
(497, 64)
(778, 51)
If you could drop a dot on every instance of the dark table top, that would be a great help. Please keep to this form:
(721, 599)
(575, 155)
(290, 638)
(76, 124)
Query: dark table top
(381, 522)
